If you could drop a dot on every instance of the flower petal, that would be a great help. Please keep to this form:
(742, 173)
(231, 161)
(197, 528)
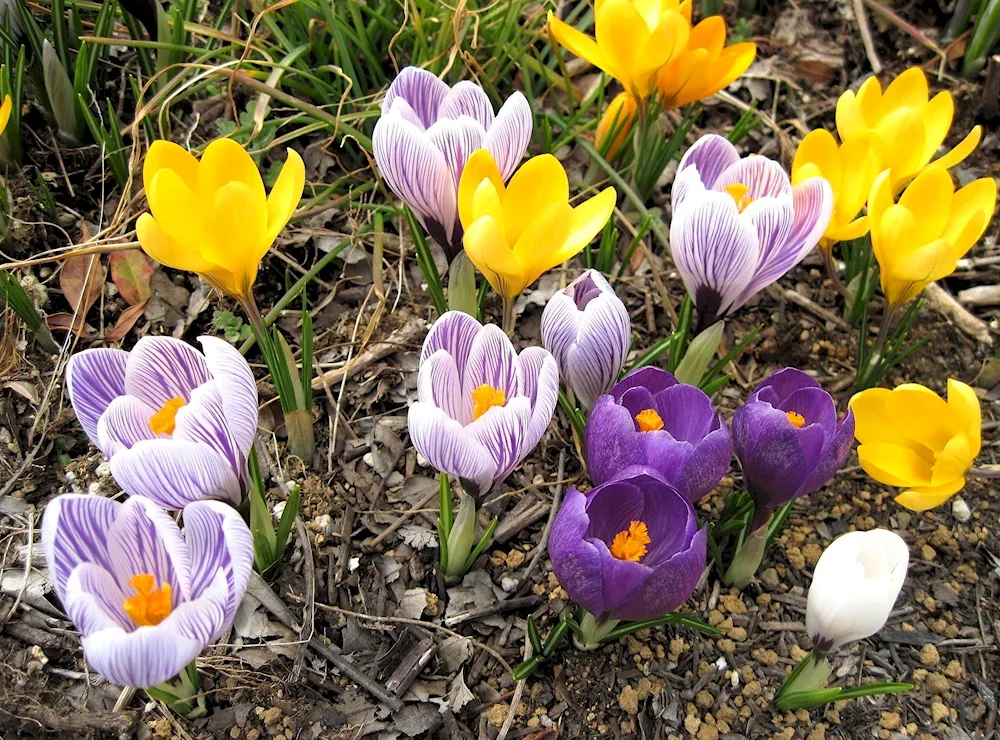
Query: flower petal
(508, 137)
(143, 658)
(454, 332)
(203, 421)
(576, 562)
(764, 177)
(162, 368)
(166, 155)
(94, 378)
(125, 422)
(610, 441)
(467, 98)
(581, 45)
(597, 358)
(225, 162)
(285, 195)
(236, 235)
(457, 140)
(448, 447)
(236, 385)
(538, 183)
(421, 89)
(144, 539)
(502, 431)
(711, 155)
(75, 530)
(540, 383)
(438, 383)
(94, 601)
(492, 362)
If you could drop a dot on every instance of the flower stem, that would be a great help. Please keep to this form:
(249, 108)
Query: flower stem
(183, 695)
(831, 270)
(748, 557)
(508, 316)
(593, 631)
(870, 371)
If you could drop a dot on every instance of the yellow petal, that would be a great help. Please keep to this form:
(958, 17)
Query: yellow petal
(176, 208)
(929, 497)
(488, 251)
(964, 404)
(962, 150)
(618, 120)
(953, 461)
(236, 231)
(902, 124)
(667, 40)
(225, 161)
(908, 90)
(650, 10)
(540, 245)
(480, 166)
(678, 78)
(929, 198)
(580, 45)
(486, 202)
(709, 34)
(895, 465)
(908, 415)
(588, 219)
(166, 155)
(860, 166)
(971, 211)
(158, 244)
(870, 102)
(5, 108)
(285, 195)
(849, 231)
(936, 117)
(818, 148)
(622, 35)
(913, 272)
(538, 183)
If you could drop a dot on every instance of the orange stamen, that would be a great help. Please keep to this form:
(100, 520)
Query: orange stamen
(797, 419)
(739, 193)
(649, 421)
(630, 544)
(150, 605)
(486, 397)
(164, 420)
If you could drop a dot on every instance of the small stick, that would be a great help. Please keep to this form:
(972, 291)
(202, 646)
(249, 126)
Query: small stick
(488, 611)
(369, 545)
(866, 36)
(800, 300)
(398, 339)
(309, 608)
(348, 668)
(344, 555)
(519, 689)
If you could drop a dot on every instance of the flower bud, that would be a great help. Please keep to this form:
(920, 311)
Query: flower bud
(854, 587)
(615, 125)
(587, 329)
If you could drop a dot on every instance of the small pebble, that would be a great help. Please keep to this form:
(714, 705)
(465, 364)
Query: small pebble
(960, 510)
(929, 655)
(939, 711)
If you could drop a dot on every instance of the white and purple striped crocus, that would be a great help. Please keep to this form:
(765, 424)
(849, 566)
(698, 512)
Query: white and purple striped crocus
(738, 224)
(176, 424)
(587, 329)
(481, 406)
(146, 598)
(426, 133)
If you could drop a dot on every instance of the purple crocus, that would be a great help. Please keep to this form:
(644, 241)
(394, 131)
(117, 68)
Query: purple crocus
(146, 598)
(738, 224)
(587, 329)
(481, 406)
(176, 424)
(650, 422)
(426, 133)
(788, 440)
(630, 549)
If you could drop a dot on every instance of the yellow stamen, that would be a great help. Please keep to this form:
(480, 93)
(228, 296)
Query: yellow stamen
(164, 420)
(486, 397)
(630, 544)
(741, 194)
(797, 419)
(649, 421)
(150, 605)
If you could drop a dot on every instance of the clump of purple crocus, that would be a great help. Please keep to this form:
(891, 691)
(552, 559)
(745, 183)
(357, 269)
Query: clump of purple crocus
(587, 329)
(788, 440)
(146, 598)
(650, 422)
(481, 406)
(739, 224)
(426, 133)
(629, 549)
(176, 424)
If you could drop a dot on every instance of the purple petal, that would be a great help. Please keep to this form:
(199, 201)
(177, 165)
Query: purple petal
(612, 507)
(417, 172)
(687, 185)
(669, 517)
(175, 472)
(94, 378)
(670, 584)
(587, 287)
(502, 431)
(456, 140)
(423, 91)
(204, 421)
(637, 400)
(236, 384)
(598, 357)
(715, 250)
(666, 455)
(144, 539)
(576, 562)
(94, 601)
(438, 383)
(619, 578)
(508, 138)
(402, 109)
(772, 219)
(125, 422)
(610, 441)
(833, 457)
(815, 406)
(143, 658)
(784, 383)
(764, 177)
(540, 384)
(448, 447)
(653, 379)
(75, 530)
(711, 155)
(686, 411)
(206, 618)
(162, 368)
(813, 200)
(492, 362)
(769, 450)
(560, 326)
(467, 98)
(707, 465)
(454, 332)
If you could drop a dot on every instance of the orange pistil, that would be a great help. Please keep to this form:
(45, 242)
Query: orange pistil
(797, 419)
(649, 421)
(164, 420)
(150, 605)
(741, 194)
(486, 397)
(630, 544)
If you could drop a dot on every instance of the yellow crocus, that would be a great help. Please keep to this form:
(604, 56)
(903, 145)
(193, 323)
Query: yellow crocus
(921, 238)
(212, 217)
(912, 438)
(513, 234)
(906, 125)
(4, 113)
(634, 39)
(705, 66)
(850, 169)
(617, 121)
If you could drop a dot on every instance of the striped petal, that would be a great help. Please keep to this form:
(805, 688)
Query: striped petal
(145, 539)
(94, 601)
(597, 359)
(492, 362)
(540, 383)
(74, 531)
(175, 472)
(125, 422)
(711, 155)
(454, 332)
(94, 378)
(162, 368)
(813, 202)
(773, 219)
(204, 421)
(238, 389)
(143, 658)
(508, 138)
(457, 140)
(764, 177)
(467, 98)
(438, 383)
(448, 447)
(502, 431)
(421, 89)
(560, 327)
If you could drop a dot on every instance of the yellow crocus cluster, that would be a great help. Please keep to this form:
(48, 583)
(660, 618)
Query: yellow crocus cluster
(513, 234)
(912, 438)
(212, 217)
(4, 113)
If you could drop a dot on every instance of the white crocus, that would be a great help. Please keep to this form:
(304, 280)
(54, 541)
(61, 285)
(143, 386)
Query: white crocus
(854, 587)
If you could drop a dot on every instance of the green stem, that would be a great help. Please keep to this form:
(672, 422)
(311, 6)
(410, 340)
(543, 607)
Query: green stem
(593, 631)
(183, 695)
(748, 558)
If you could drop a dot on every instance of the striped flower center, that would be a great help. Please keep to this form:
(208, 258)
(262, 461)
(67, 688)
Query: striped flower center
(739, 193)
(164, 420)
(649, 421)
(486, 397)
(630, 544)
(797, 419)
(151, 605)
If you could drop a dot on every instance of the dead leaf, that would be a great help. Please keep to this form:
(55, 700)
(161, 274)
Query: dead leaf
(458, 693)
(413, 603)
(24, 389)
(65, 321)
(131, 271)
(81, 280)
(126, 321)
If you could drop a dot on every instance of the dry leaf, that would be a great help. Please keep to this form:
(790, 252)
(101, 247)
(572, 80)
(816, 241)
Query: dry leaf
(131, 271)
(81, 280)
(65, 321)
(125, 322)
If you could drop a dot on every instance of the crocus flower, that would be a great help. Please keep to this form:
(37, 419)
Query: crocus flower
(650, 422)
(146, 598)
(705, 66)
(921, 238)
(633, 39)
(4, 113)
(854, 587)
(912, 438)
(426, 134)
(904, 125)
(788, 440)
(176, 424)
(212, 216)
(481, 406)
(738, 224)
(617, 122)
(850, 168)
(587, 329)
(629, 549)
(514, 234)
